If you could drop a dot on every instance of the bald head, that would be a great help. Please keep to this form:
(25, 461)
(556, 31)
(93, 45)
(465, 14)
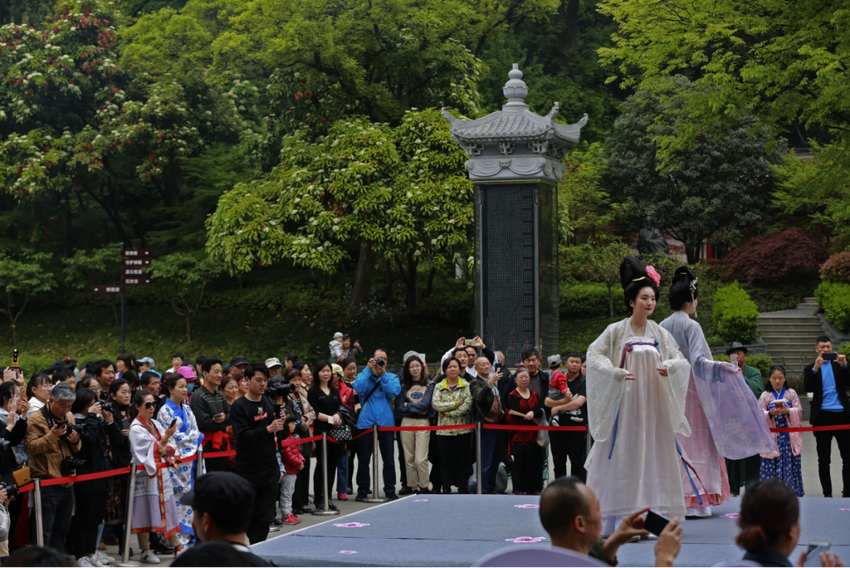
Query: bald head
(567, 512)
(482, 367)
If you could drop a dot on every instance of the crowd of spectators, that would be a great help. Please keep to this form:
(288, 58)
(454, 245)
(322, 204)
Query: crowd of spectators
(109, 414)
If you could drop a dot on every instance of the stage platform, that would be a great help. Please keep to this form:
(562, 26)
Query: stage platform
(457, 530)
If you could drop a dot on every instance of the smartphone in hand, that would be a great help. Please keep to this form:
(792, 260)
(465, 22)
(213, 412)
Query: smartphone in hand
(655, 522)
(173, 422)
(814, 550)
(830, 356)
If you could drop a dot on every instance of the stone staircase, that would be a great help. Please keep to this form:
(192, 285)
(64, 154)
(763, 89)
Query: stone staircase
(791, 335)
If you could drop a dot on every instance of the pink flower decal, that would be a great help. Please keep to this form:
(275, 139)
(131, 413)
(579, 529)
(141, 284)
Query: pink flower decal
(731, 516)
(348, 552)
(844, 509)
(419, 500)
(527, 506)
(351, 525)
(653, 275)
(526, 539)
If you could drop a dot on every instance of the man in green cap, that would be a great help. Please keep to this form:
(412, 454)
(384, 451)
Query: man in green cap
(742, 472)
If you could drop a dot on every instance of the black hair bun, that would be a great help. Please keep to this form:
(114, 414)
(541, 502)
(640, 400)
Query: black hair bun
(680, 290)
(631, 269)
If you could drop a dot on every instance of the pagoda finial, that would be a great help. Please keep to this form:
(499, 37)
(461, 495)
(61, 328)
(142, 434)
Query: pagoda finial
(515, 90)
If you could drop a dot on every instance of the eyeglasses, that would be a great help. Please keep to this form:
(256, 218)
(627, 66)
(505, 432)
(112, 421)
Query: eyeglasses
(150, 404)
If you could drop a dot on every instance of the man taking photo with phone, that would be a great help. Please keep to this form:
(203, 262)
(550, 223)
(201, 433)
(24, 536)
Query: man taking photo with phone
(827, 379)
(212, 412)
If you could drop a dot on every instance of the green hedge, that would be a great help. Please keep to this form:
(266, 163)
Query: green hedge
(589, 300)
(834, 300)
(736, 316)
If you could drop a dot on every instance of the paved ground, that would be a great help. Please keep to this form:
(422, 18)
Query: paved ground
(811, 485)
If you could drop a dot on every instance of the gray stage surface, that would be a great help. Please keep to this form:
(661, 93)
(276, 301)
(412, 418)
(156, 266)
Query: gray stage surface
(457, 530)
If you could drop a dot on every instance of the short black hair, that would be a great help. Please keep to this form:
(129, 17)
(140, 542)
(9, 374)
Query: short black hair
(572, 354)
(375, 350)
(60, 374)
(459, 349)
(84, 398)
(561, 502)
(292, 358)
(824, 339)
(346, 336)
(212, 553)
(178, 355)
(146, 377)
(207, 364)
(255, 368)
(528, 353)
(101, 365)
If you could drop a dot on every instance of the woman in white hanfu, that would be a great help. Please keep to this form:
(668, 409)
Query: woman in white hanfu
(637, 381)
(725, 419)
(187, 440)
(154, 509)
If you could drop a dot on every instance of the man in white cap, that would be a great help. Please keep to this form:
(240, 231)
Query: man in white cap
(336, 346)
(147, 364)
(273, 363)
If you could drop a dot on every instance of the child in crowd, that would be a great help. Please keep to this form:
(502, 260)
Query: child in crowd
(293, 462)
(558, 388)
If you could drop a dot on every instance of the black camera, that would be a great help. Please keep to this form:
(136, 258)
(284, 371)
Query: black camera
(11, 489)
(380, 362)
(283, 390)
(78, 428)
(109, 407)
(72, 465)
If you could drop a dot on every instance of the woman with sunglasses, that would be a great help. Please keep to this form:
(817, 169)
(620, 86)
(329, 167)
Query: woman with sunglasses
(154, 507)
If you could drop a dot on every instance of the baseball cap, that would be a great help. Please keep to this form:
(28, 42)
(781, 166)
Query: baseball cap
(410, 354)
(273, 362)
(147, 360)
(219, 491)
(238, 360)
(186, 372)
(554, 361)
(337, 334)
(336, 369)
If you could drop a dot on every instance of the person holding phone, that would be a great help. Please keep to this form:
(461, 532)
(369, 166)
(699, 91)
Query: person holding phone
(212, 411)
(770, 526)
(827, 379)
(782, 409)
(154, 506)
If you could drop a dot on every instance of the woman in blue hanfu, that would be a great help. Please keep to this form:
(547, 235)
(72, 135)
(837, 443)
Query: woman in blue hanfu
(637, 382)
(187, 439)
(725, 419)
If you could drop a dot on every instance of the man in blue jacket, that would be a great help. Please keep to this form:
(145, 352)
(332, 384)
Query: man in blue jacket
(376, 389)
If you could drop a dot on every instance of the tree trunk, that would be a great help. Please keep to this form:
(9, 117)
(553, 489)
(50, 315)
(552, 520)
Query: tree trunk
(409, 277)
(429, 287)
(14, 336)
(693, 252)
(115, 313)
(388, 285)
(188, 329)
(67, 227)
(363, 276)
(610, 302)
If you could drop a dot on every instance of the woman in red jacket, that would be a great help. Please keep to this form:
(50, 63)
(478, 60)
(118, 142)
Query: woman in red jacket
(293, 462)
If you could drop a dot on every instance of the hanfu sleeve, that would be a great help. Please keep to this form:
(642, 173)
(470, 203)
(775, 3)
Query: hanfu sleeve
(144, 449)
(604, 384)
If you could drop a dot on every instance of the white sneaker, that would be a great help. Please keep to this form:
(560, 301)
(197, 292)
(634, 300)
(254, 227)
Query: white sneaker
(149, 557)
(95, 561)
(84, 561)
(103, 557)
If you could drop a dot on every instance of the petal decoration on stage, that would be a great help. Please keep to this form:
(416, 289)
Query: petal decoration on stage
(348, 552)
(731, 516)
(419, 500)
(844, 509)
(527, 506)
(351, 525)
(526, 539)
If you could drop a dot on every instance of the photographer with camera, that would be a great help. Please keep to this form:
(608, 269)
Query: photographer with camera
(377, 389)
(255, 427)
(51, 441)
(92, 495)
(13, 429)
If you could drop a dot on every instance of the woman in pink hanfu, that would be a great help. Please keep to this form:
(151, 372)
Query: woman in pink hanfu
(725, 419)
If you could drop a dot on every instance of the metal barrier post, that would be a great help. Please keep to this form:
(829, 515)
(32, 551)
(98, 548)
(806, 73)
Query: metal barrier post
(200, 469)
(39, 528)
(325, 512)
(374, 498)
(478, 472)
(128, 521)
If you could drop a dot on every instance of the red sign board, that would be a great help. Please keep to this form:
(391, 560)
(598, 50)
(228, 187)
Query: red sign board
(137, 253)
(137, 262)
(137, 281)
(107, 289)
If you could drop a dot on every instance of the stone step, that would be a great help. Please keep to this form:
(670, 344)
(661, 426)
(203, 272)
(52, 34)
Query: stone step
(810, 300)
(800, 323)
(789, 332)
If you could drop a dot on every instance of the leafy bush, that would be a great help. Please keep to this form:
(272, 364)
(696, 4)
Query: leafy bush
(834, 300)
(735, 315)
(771, 257)
(837, 268)
(760, 361)
(583, 300)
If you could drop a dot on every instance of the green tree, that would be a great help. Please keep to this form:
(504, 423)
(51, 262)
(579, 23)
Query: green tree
(782, 62)
(29, 12)
(22, 276)
(101, 266)
(400, 193)
(184, 279)
(586, 209)
(601, 261)
(716, 190)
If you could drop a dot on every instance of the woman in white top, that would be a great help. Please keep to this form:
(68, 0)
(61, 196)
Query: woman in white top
(38, 392)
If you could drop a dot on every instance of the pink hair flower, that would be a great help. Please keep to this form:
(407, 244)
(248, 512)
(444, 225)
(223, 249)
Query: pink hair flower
(653, 275)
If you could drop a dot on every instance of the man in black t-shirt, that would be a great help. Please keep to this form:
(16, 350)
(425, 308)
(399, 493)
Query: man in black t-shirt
(572, 445)
(255, 426)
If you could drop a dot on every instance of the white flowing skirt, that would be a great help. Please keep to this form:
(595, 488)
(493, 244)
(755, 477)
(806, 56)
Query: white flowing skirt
(644, 468)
